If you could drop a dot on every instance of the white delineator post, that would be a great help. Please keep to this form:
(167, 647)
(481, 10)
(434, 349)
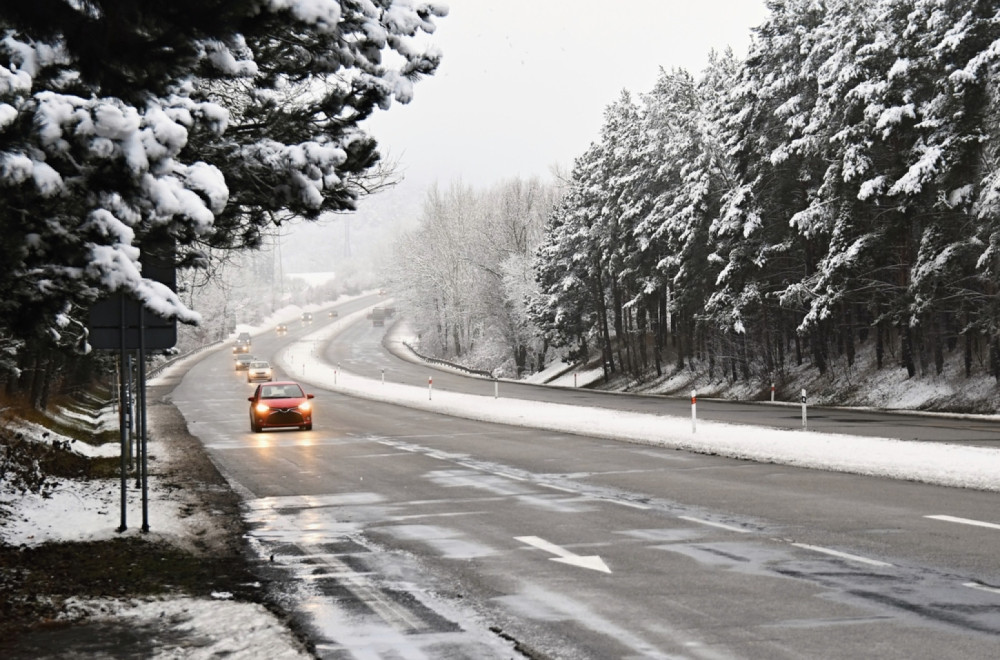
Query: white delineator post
(574, 379)
(772, 392)
(430, 387)
(804, 424)
(694, 414)
(496, 388)
(383, 375)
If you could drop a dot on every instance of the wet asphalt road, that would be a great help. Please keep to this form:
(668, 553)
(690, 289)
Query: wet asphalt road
(406, 534)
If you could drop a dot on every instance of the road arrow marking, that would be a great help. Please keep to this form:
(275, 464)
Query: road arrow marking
(592, 562)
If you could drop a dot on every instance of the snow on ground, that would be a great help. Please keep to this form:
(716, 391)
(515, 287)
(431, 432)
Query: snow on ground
(942, 464)
(578, 378)
(554, 370)
(90, 510)
(42, 435)
(202, 627)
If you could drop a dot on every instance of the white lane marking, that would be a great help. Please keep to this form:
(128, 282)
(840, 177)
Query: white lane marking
(981, 587)
(554, 487)
(842, 555)
(508, 476)
(965, 521)
(715, 524)
(593, 562)
(633, 505)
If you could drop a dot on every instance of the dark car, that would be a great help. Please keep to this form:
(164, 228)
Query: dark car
(243, 361)
(333, 314)
(307, 318)
(281, 403)
(242, 343)
(281, 329)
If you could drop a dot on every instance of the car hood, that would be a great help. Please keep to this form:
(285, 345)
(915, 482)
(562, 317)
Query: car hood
(283, 403)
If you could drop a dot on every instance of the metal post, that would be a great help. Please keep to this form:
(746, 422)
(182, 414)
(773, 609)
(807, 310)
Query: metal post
(694, 414)
(122, 421)
(804, 423)
(142, 420)
(129, 410)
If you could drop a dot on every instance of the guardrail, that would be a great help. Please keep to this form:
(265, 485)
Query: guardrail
(452, 365)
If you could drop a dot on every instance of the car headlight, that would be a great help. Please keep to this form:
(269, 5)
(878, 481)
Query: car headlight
(262, 407)
(305, 406)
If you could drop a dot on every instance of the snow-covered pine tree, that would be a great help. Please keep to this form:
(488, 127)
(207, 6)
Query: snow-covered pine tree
(208, 120)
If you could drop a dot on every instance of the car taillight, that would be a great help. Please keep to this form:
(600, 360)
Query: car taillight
(305, 406)
(262, 407)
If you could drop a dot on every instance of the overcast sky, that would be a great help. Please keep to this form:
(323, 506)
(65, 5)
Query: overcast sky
(524, 83)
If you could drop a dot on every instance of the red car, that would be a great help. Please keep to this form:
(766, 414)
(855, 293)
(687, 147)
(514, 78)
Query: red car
(281, 403)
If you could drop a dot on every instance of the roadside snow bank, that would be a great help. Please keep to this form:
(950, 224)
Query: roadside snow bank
(935, 463)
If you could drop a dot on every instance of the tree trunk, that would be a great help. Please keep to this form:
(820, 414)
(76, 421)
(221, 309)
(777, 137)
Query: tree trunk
(907, 350)
(602, 318)
(879, 345)
(616, 300)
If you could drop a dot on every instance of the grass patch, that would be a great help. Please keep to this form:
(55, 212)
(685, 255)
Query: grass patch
(35, 582)
(67, 465)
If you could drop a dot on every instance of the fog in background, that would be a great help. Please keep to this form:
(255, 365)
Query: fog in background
(522, 88)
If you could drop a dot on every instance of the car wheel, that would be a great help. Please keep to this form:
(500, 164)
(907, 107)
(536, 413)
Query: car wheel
(254, 426)
(308, 427)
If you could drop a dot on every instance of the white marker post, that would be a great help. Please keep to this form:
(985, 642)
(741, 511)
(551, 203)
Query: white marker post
(804, 423)
(772, 392)
(694, 414)
(334, 376)
(430, 387)
(496, 388)
(383, 375)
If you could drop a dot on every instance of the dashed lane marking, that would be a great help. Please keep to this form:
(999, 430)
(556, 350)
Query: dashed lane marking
(842, 555)
(981, 587)
(965, 521)
(710, 523)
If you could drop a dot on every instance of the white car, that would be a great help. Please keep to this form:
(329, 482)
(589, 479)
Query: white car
(259, 370)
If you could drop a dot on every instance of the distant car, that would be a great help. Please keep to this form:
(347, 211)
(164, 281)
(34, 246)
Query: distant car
(242, 343)
(259, 370)
(281, 328)
(333, 314)
(243, 362)
(278, 404)
(307, 318)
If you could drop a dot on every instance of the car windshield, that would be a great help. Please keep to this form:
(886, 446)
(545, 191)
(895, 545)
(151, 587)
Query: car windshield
(259, 365)
(281, 392)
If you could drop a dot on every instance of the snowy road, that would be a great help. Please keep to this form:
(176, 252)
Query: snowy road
(411, 534)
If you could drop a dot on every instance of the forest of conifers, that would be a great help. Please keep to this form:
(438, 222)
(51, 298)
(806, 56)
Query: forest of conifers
(838, 188)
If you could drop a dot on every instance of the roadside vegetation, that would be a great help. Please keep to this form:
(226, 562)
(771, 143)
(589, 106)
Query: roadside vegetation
(827, 206)
(45, 585)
